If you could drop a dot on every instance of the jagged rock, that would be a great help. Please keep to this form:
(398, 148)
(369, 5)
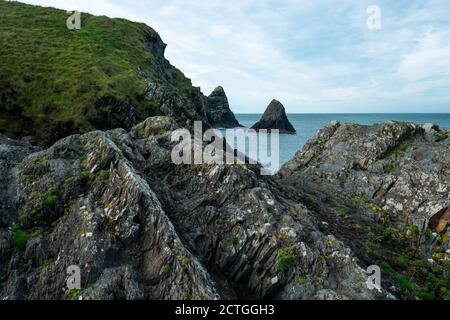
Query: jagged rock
(141, 227)
(219, 112)
(116, 284)
(275, 118)
(398, 171)
(392, 158)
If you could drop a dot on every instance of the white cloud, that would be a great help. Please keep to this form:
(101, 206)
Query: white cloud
(311, 55)
(431, 59)
(342, 93)
(219, 30)
(166, 11)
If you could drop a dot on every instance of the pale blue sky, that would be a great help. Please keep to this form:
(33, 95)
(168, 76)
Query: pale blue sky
(312, 55)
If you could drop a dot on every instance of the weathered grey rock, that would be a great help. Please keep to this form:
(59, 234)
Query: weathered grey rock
(219, 112)
(92, 209)
(275, 118)
(172, 104)
(116, 284)
(399, 172)
(395, 162)
(140, 227)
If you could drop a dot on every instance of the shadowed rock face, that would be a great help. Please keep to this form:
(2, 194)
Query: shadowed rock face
(140, 227)
(219, 112)
(275, 118)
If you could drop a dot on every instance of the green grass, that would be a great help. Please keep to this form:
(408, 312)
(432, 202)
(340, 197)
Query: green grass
(69, 183)
(55, 82)
(103, 175)
(386, 267)
(166, 269)
(302, 281)
(186, 296)
(51, 198)
(342, 211)
(185, 262)
(148, 289)
(73, 294)
(403, 146)
(413, 274)
(85, 178)
(399, 256)
(28, 178)
(285, 259)
(234, 241)
(19, 238)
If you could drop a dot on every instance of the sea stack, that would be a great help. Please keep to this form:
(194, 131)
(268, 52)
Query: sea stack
(219, 112)
(275, 118)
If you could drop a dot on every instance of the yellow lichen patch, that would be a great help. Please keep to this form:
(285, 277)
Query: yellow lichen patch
(184, 261)
(280, 236)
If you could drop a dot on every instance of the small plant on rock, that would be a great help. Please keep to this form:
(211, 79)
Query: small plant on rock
(73, 294)
(103, 175)
(85, 178)
(19, 238)
(234, 241)
(285, 258)
(51, 198)
(166, 269)
(342, 211)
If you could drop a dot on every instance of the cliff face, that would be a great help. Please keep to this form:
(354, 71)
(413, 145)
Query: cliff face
(110, 74)
(275, 118)
(140, 227)
(395, 176)
(219, 112)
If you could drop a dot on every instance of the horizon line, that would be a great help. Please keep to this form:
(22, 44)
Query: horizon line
(344, 113)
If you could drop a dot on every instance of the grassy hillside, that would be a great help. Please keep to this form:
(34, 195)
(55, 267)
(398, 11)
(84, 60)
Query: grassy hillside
(55, 82)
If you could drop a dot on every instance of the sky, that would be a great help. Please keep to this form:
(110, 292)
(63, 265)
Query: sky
(315, 56)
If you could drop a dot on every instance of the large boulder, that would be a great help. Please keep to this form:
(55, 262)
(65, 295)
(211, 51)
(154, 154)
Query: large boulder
(275, 118)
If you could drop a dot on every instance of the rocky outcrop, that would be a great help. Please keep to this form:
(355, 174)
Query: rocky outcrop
(219, 112)
(395, 175)
(139, 227)
(114, 205)
(400, 165)
(126, 86)
(275, 118)
(82, 203)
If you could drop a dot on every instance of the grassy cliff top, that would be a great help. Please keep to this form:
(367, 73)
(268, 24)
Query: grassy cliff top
(54, 81)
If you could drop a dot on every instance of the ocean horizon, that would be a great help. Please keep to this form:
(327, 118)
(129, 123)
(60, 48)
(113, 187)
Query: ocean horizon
(308, 124)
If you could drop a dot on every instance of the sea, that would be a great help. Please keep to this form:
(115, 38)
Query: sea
(307, 125)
